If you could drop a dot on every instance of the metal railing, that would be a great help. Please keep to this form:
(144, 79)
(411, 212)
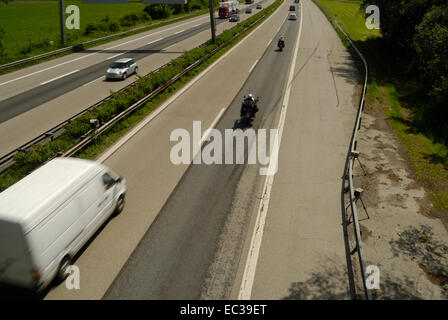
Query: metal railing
(351, 159)
(87, 43)
(8, 159)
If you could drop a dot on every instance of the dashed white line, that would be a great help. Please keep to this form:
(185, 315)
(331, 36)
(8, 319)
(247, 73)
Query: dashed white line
(155, 40)
(64, 75)
(156, 112)
(179, 31)
(92, 54)
(253, 66)
(116, 55)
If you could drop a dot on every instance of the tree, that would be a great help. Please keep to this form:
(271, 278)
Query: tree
(399, 18)
(431, 47)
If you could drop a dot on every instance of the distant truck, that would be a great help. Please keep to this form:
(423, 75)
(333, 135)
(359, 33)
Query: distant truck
(249, 1)
(227, 8)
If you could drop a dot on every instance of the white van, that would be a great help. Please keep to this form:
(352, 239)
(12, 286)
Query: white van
(46, 217)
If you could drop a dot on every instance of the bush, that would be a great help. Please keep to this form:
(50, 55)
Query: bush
(156, 11)
(91, 28)
(113, 26)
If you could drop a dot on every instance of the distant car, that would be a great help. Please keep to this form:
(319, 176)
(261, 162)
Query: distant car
(292, 8)
(234, 18)
(248, 10)
(121, 69)
(259, 6)
(292, 16)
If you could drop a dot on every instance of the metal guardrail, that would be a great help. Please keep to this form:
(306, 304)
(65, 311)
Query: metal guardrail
(8, 159)
(350, 160)
(87, 43)
(87, 140)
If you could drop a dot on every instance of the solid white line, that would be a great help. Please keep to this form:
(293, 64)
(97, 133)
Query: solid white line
(64, 75)
(160, 109)
(91, 54)
(179, 31)
(116, 55)
(253, 66)
(257, 236)
(92, 81)
(155, 40)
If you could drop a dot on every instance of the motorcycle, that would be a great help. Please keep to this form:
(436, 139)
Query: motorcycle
(281, 44)
(248, 111)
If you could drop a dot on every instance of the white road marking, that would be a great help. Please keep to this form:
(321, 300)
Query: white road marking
(162, 107)
(92, 54)
(155, 40)
(257, 236)
(196, 25)
(64, 75)
(84, 85)
(179, 31)
(207, 132)
(119, 54)
(253, 66)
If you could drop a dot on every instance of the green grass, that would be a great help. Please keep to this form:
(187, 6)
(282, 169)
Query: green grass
(27, 161)
(38, 24)
(351, 18)
(428, 156)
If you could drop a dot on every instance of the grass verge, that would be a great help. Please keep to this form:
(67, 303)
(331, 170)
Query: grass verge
(428, 156)
(156, 24)
(27, 161)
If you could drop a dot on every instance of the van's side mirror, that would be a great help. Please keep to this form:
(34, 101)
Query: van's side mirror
(119, 179)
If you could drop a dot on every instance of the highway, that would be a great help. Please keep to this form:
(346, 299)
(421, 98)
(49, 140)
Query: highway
(39, 97)
(187, 230)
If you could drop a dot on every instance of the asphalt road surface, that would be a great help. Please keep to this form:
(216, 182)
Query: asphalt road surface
(41, 96)
(186, 230)
(174, 264)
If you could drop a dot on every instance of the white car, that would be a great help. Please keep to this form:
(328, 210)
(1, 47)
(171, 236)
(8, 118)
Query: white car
(292, 16)
(121, 69)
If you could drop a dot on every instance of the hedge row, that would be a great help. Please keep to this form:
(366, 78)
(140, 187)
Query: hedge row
(27, 161)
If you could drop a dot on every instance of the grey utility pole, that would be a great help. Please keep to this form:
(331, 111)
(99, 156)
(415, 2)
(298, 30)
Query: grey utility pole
(62, 18)
(212, 20)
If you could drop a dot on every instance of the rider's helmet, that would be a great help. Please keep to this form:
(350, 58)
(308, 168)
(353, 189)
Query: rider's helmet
(250, 96)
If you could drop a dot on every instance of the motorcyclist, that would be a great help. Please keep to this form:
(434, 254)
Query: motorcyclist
(281, 42)
(249, 104)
